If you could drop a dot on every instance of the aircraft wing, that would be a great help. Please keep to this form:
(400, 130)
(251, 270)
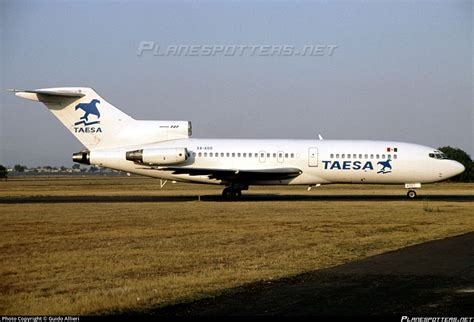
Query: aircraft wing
(238, 175)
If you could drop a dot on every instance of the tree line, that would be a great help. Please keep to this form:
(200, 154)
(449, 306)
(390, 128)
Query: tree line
(18, 168)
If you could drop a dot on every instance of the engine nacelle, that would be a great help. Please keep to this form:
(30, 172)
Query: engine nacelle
(165, 156)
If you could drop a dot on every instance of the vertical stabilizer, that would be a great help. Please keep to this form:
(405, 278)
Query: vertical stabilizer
(90, 118)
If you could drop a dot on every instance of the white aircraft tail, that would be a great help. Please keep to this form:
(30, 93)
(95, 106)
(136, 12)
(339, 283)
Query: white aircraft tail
(90, 118)
(98, 124)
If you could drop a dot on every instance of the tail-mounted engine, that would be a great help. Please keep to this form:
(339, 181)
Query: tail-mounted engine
(165, 156)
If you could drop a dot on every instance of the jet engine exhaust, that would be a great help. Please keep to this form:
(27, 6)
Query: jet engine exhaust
(82, 157)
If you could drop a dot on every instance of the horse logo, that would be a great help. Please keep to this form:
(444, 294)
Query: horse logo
(88, 108)
(385, 165)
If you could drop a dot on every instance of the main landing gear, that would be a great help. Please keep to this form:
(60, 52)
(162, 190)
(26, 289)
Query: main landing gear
(230, 193)
(234, 191)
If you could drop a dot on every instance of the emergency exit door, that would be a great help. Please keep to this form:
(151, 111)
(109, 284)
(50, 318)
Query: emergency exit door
(313, 157)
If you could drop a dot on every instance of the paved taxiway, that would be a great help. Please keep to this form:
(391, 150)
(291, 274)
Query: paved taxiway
(434, 278)
(249, 197)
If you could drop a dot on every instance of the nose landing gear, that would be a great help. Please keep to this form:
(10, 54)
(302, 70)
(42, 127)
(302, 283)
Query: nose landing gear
(411, 192)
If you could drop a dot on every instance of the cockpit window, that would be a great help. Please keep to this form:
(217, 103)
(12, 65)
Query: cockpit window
(438, 155)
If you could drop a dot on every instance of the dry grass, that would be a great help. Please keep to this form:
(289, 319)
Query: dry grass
(75, 258)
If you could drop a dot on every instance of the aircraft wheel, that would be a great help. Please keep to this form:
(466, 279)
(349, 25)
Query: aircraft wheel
(230, 193)
(411, 194)
(226, 193)
(235, 194)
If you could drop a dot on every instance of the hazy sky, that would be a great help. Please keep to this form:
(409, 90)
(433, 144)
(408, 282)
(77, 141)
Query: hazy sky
(401, 70)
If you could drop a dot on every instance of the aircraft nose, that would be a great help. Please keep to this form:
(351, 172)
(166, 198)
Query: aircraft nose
(457, 168)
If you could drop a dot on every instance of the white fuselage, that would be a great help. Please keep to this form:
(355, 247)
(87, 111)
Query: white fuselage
(321, 161)
(164, 149)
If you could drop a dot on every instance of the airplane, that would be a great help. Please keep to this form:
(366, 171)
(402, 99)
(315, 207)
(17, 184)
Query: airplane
(165, 150)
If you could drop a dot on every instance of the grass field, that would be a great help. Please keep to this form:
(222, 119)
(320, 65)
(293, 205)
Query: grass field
(89, 258)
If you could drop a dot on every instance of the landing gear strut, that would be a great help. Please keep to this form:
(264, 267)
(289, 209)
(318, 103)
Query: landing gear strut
(234, 191)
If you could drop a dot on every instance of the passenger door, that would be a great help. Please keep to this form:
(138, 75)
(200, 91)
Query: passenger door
(313, 157)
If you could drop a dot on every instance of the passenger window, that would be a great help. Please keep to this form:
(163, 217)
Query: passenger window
(332, 156)
(222, 154)
(227, 154)
(199, 154)
(268, 155)
(354, 156)
(250, 155)
(233, 154)
(383, 156)
(210, 154)
(394, 156)
(245, 155)
(371, 156)
(366, 156)
(205, 154)
(274, 155)
(292, 155)
(343, 156)
(256, 155)
(377, 156)
(348, 156)
(337, 156)
(280, 155)
(389, 156)
(238, 155)
(262, 155)
(360, 156)
(286, 155)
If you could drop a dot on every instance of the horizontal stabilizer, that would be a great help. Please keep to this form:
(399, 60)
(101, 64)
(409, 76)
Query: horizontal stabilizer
(47, 92)
(45, 95)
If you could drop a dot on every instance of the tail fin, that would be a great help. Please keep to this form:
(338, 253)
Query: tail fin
(90, 118)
